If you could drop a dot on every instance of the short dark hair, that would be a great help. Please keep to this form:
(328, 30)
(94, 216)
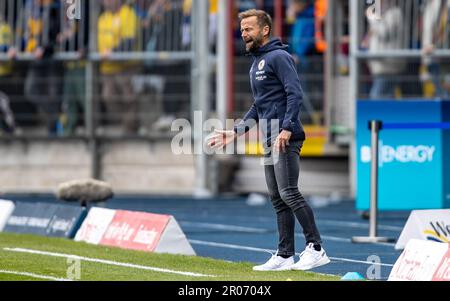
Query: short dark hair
(264, 18)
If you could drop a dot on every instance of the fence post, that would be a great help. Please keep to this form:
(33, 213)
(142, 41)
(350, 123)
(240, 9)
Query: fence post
(200, 97)
(375, 126)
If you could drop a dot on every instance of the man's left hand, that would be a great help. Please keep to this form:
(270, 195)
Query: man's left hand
(282, 140)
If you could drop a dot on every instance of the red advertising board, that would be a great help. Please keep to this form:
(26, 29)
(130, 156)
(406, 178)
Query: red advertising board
(422, 260)
(135, 230)
(443, 271)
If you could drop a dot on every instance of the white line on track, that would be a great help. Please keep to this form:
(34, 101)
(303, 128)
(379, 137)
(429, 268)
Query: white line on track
(357, 225)
(261, 230)
(224, 227)
(328, 222)
(108, 262)
(239, 247)
(33, 275)
(347, 240)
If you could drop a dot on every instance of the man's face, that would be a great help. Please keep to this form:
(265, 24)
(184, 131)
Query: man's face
(252, 33)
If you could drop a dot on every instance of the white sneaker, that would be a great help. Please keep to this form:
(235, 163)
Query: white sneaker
(276, 263)
(310, 259)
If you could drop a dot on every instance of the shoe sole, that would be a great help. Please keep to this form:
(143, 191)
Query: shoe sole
(321, 262)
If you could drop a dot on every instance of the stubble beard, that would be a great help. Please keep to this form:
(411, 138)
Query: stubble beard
(255, 45)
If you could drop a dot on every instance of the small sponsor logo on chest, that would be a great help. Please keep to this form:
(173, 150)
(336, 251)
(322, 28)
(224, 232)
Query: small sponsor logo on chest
(260, 74)
(261, 65)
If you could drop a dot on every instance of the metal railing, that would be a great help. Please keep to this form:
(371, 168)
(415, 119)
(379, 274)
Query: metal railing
(309, 61)
(156, 25)
(395, 56)
(149, 57)
(117, 73)
(403, 47)
(410, 22)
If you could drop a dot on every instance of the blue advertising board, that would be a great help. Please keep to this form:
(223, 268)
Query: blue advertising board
(446, 151)
(414, 164)
(46, 219)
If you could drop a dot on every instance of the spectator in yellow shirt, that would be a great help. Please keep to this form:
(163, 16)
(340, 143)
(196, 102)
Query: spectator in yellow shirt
(7, 121)
(117, 32)
(5, 45)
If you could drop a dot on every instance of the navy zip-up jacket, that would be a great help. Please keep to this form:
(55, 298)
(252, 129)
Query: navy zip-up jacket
(277, 93)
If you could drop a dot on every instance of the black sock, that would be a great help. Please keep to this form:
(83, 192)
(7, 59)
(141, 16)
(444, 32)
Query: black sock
(317, 247)
(284, 256)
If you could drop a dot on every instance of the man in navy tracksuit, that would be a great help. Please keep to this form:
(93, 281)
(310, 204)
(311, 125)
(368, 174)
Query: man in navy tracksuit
(278, 96)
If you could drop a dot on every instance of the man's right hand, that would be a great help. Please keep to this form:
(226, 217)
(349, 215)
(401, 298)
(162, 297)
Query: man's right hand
(221, 138)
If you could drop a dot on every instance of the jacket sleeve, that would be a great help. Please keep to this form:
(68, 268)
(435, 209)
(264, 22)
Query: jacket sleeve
(284, 68)
(250, 119)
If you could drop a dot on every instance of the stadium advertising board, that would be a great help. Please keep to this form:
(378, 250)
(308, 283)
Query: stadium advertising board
(45, 219)
(6, 208)
(414, 166)
(422, 260)
(95, 225)
(433, 225)
(134, 230)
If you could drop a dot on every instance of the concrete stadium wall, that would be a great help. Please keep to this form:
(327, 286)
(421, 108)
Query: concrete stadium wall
(41, 166)
(318, 176)
(140, 167)
(131, 167)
